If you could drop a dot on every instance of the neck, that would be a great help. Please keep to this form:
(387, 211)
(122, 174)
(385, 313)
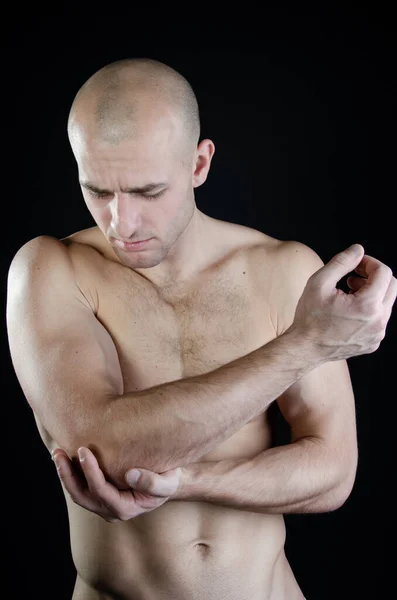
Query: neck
(187, 257)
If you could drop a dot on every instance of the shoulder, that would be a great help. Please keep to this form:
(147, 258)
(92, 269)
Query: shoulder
(49, 250)
(52, 246)
(40, 251)
(87, 238)
(297, 255)
(74, 254)
(296, 263)
(289, 256)
(290, 261)
(282, 267)
(90, 243)
(242, 238)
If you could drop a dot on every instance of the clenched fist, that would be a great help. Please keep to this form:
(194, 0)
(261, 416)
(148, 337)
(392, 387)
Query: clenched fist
(345, 325)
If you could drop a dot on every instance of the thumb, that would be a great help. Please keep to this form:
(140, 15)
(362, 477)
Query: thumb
(339, 265)
(155, 484)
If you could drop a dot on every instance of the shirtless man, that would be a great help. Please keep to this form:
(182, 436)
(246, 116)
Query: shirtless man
(166, 357)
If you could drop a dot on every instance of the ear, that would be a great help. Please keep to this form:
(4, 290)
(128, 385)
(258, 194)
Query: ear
(204, 153)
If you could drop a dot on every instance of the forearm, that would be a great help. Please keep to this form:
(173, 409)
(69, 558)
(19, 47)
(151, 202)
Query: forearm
(301, 477)
(176, 423)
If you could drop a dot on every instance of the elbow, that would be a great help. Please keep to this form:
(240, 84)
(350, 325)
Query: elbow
(108, 459)
(344, 487)
(344, 492)
(116, 451)
(113, 459)
(340, 495)
(331, 500)
(114, 463)
(105, 453)
(95, 431)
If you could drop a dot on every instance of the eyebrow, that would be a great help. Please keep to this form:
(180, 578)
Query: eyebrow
(134, 190)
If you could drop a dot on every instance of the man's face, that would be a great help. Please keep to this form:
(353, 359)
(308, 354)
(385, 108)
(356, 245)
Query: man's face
(162, 213)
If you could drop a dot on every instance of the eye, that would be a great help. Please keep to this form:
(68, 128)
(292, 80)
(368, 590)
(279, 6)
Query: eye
(146, 196)
(97, 194)
(153, 196)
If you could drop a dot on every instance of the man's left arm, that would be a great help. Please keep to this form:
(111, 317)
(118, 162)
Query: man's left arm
(316, 471)
(301, 477)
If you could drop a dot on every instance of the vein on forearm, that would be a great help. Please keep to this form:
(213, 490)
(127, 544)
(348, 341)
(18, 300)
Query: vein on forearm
(298, 477)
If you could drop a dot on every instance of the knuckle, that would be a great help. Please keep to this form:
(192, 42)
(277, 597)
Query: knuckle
(387, 271)
(378, 338)
(150, 489)
(96, 492)
(373, 347)
(314, 281)
(367, 307)
(341, 259)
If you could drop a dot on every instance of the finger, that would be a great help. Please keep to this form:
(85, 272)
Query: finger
(95, 478)
(391, 294)
(156, 484)
(73, 484)
(99, 487)
(339, 265)
(355, 283)
(378, 278)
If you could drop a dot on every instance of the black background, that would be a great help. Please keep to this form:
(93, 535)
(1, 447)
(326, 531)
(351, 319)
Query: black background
(302, 114)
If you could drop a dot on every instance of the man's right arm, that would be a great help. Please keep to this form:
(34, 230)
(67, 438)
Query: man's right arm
(68, 368)
(176, 423)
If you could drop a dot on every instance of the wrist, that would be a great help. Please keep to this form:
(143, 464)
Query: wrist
(188, 483)
(303, 345)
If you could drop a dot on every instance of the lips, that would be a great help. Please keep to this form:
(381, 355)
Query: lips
(132, 245)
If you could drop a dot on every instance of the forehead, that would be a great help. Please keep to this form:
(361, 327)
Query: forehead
(152, 130)
(155, 137)
(148, 157)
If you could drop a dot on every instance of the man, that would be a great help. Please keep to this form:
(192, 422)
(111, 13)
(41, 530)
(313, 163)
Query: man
(165, 355)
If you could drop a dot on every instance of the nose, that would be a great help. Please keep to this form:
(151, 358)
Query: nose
(125, 219)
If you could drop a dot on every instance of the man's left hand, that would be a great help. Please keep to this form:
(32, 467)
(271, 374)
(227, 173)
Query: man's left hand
(98, 495)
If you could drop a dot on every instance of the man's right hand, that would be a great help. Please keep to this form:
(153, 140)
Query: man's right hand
(344, 325)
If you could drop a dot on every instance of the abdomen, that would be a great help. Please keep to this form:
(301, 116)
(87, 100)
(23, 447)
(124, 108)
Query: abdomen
(182, 550)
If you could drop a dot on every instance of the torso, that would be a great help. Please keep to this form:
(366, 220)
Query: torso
(184, 550)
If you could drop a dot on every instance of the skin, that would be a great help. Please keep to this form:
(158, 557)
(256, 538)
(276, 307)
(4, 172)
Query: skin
(90, 489)
(139, 139)
(154, 149)
(116, 153)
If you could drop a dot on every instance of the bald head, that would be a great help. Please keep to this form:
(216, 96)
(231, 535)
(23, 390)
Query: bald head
(127, 98)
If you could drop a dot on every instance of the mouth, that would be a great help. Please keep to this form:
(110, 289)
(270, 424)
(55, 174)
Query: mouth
(131, 245)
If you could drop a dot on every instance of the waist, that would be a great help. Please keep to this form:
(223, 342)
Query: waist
(180, 548)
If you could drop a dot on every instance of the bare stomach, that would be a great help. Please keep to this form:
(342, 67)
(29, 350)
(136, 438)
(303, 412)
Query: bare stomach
(181, 551)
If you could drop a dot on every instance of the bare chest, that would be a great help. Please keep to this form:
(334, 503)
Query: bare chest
(162, 336)
(167, 334)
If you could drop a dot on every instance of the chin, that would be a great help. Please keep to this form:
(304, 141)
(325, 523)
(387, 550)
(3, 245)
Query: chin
(141, 262)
